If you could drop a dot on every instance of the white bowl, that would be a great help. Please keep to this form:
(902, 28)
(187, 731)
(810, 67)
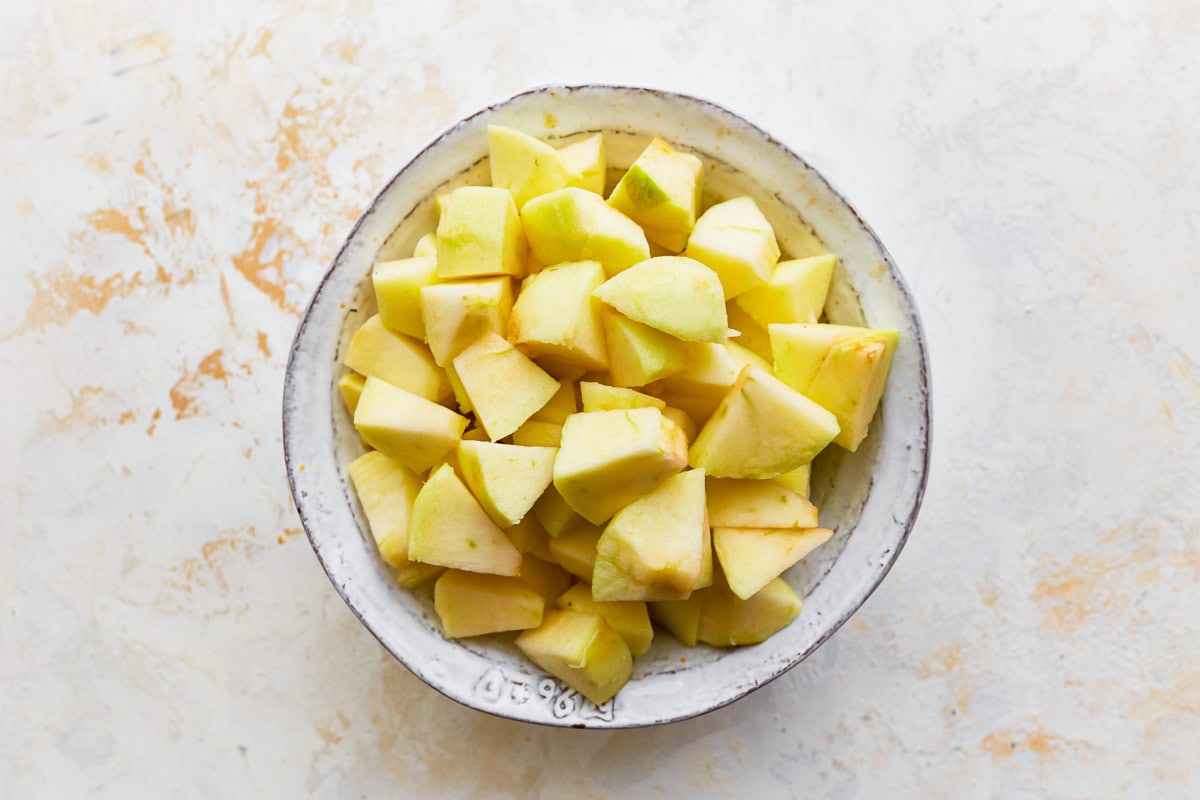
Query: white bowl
(870, 497)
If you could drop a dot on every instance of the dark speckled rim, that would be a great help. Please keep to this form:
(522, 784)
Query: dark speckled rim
(910, 309)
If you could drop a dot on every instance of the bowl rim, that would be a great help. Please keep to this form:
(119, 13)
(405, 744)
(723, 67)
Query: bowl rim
(923, 373)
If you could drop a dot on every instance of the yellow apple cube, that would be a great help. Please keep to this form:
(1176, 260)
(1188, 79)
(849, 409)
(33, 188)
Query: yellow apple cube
(608, 459)
(556, 317)
(661, 192)
(449, 528)
(752, 557)
(630, 620)
(547, 579)
(683, 421)
(582, 651)
(504, 387)
(526, 166)
(376, 351)
(744, 503)
(577, 225)
(472, 604)
(506, 479)
(743, 356)
(728, 621)
(798, 480)
(701, 387)
(426, 246)
(350, 387)
(479, 234)
(575, 549)
(456, 314)
(554, 514)
(656, 542)
(535, 433)
(398, 287)
(675, 295)
(406, 427)
(795, 292)
(680, 617)
(386, 490)
(585, 161)
(639, 354)
(751, 335)
(735, 240)
(562, 405)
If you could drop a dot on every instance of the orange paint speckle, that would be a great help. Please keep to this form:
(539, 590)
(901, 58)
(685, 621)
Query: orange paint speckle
(1002, 745)
(945, 660)
(182, 393)
(126, 418)
(59, 295)
(260, 47)
(263, 346)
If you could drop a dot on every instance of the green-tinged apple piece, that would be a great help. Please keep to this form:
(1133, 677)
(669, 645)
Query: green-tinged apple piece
(726, 620)
(547, 579)
(456, 314)
(746, 503)
(506, 479)
(798, 480)
(585, 161)
(639, 354)
(673, 294)
(795, 292)
(449, 528)
(763, 428)
(577, 225)
(582, 651)
(564, 403)
(602, 397)
(526, 166)
(751, 335)
(535, 433)
(479, 234)
(398, 287)
(555, 316)
(377, 351)
(386, 490)
(661, 192)
(699, 389)
(408, 428)
(735, 240)
(350, 387)
(552, 511)
(575, 549)
(680, 617)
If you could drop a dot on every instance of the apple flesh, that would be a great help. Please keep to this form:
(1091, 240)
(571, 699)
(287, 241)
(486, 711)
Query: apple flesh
(577, 225)
(752, 557)
(735, 240)
(555, 316)
(449, 528)
(386, 490)
(506, 479)
(582, 651)
(795, 292)
(661, 192)
(504, 387)
(601, 397)
(398, 287)
(629, 619)
(455, 314)
(639, 354)
(472, 604)
(406, 427)
(377, 351)
(479, 234)
(673, 294)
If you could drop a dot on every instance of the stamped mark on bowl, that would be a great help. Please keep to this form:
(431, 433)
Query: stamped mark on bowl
(495, 687)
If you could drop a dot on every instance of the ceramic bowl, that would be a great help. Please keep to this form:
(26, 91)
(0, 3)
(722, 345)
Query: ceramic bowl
(870, 497)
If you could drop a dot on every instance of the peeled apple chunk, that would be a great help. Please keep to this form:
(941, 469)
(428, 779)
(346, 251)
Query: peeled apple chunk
(727, 620)
(842, 368)
(398, 359)
(673, 294)
(735, 240)
(798, 480)
(582, 651)
(504, 387)
(585, 161)
(398, 287)
(350, 387)
(479, 234)
(449, 528)
(740, 503)
(601, 397)
(562, 405)
(555, 316)
(629, 619)
(762, 429)
(680, 617)
(547, 579)
(535, 433)
(426, 246)
(661, 192)
(795, 292)
(608, 459)
(577, 225)
(386, 489)
(639, 354)
(653, 547)
(456, 314)
(472, 604)
(403, 426)
(526, 166)
(700, 387)
(752, 557)
(575, 550)
(506, 479)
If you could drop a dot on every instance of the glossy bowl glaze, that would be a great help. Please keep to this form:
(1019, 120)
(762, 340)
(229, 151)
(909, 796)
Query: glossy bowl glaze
(870, 497)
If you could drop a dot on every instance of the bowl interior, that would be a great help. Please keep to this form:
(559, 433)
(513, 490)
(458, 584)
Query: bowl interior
(869, 497)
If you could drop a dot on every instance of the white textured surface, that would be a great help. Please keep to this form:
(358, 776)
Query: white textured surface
(175, 179)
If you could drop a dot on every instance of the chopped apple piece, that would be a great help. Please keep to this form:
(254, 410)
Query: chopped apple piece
(798, 480)
(629, 619)
(528, 536)
(555, 316)
(727, 620)
(661, 192)
(680, 617)
(575, 549)
(762, 429)
(479, 234)
(505, 388)
(742, 356)
(386, 489)
(582, 651)
(844, 369)
(562, 405)
(577, 225)
(673, 294)
(398, 287)
(655, 542)
(449, 528)
(426, 246)
(743, 503)
(403, 426)
(398, 359)
(350, 387)
(535, 433)
(751, 335)
(526, 166)
(701, 387)
(457, 390)
(735, 240)
(752, 557)
(471, 604)
(585, 161)
(547, 579)
(608, 459)
(639, 354)
(552, 511)
(456, 314)
(795, 292)
(683, 421)
(507, 479)
(600, 397)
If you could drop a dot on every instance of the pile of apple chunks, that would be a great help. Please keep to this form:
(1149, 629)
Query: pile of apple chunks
(562, 427)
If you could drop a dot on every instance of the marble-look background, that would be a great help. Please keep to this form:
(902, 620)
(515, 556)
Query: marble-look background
(176, 177)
